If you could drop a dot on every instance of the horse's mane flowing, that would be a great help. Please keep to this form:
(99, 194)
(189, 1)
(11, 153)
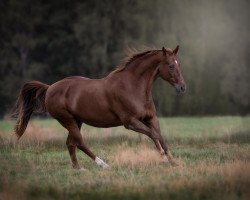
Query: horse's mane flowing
(133, 54)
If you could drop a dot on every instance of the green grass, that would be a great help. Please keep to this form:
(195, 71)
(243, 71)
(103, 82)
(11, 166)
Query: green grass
(213, 155)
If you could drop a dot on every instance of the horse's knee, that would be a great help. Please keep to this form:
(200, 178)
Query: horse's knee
(70, 144)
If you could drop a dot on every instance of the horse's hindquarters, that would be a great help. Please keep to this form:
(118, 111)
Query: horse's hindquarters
(84, 99)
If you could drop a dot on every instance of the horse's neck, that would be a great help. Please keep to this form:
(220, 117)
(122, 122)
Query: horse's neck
(145, 72)
(143, 66)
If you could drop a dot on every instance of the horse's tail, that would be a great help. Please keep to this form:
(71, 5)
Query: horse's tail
(30, 99)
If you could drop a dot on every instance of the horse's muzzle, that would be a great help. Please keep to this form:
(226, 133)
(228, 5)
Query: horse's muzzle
(180, 88)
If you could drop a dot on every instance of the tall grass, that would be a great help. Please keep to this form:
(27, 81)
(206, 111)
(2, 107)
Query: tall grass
(212, 152)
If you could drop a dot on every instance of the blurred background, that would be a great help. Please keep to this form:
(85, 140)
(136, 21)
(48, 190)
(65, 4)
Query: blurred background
(49, 40)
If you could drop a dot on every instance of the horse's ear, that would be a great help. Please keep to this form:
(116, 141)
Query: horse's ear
(175, 51)
(164, 51)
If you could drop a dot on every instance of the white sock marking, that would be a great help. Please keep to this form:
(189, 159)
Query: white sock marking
(101, 163)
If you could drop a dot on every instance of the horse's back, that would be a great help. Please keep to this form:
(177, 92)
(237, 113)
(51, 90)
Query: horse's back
(77, 77)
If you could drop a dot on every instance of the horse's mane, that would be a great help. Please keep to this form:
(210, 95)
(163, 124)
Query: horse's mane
(133, 54)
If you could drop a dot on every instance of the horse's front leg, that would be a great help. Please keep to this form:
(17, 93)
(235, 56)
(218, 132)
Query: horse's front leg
(153, 123)
(151, 129)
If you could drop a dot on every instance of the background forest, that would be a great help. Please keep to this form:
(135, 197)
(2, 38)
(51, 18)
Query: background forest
(49, 40)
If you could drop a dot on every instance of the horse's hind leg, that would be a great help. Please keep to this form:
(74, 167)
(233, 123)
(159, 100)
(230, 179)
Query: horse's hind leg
(75, 138)
(82, 146)
(71, 145)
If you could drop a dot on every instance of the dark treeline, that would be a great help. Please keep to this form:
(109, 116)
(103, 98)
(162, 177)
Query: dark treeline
(49, 40)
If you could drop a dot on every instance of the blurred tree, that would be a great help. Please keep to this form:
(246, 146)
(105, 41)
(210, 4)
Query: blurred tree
(49, 40)
(37, 43)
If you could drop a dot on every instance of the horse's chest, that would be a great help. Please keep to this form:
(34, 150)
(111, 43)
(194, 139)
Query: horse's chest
(143, 110)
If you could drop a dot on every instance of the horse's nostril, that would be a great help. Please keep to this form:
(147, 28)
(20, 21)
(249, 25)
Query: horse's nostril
(180, 88)
(183, 88)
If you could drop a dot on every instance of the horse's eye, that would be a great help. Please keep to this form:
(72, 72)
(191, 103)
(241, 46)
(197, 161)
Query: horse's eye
(171, 66)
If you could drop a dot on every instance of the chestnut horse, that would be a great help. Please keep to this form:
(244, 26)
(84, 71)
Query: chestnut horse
(121, 98)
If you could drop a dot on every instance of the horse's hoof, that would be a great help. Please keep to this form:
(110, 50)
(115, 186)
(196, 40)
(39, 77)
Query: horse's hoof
(169, 162)
(165, 161)
(76, 167)
(164, 158)
(105, 166)
(174, 164)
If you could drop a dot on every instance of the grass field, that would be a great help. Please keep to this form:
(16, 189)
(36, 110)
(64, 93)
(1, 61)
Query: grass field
(213, 155)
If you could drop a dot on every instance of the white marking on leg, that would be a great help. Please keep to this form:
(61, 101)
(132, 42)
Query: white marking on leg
(101, 163)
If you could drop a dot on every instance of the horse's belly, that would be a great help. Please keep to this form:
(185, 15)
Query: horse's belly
(102, 124)
(95, 113)
(98, 119)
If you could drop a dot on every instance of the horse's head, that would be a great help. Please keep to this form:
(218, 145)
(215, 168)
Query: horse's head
(169, 70)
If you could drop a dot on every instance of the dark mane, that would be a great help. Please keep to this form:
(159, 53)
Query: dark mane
(134, 54)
